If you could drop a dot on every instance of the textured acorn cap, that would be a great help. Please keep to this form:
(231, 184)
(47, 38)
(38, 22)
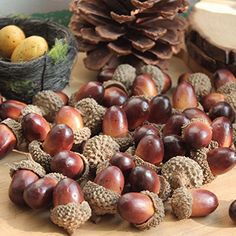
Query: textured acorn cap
(227, 88)
(71, 216)
(57, 176)
(83, 179)
(38, 155)
(200, 156)
(201, 84)
(31, 109)
(49, 102)
(231, 99)
(101, 166)
(165, 190)
(182, 171)
(181, 203)
(92, 114)
(99, 148)
(158, 216)
(125, 142)
(125, 74)
(82, 135)
(27, 165)
(101, 200)
(156, 74)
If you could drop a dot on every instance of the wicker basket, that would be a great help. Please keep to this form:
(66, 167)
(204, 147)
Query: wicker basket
(22, 81)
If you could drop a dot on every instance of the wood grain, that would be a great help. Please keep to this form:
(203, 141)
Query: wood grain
(16, 221)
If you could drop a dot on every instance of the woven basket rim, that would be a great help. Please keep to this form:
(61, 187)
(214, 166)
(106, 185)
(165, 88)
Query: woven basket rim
(32, 20)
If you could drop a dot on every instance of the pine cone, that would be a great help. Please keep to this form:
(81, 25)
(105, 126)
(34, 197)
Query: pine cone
(132, 30)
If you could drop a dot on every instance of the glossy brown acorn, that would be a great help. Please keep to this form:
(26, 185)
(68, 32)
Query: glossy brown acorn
(63, 97)
(111, 178)
(184, 77)
(232, 211)
(222, 109)
(115, 122)
(174, 125)
(150, 149)
(105, 74)
(160, 110)
(221, 77)
(221, 160)
(174, 145)
(137, 111)
(67, 163)
(38, 195)
(59, 138)
(204, 202)
(91, 89)
(35, 127)
(167, 83)
(7, 140)
(222, 131)
(114, 96)
(211, 99)
(144, 178)
(20, 181)
(11, 109)
(144, 130)
(71, 117)
(123, 161)
(197, 134)
(192, 113)
(144, 85)
(184, 96)
(136, 208)
(67, 191)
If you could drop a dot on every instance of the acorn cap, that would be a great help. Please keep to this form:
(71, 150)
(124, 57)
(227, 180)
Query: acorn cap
(200, 156)
(125, 142)
(99, 148)
(83, 179)
(125, 74)
(159, 212)
(57, 176)
(227, 88)
(131, 150)
(39, 155)
(101, 166)
(156, 74)
(92, 114)
(182, 171)
(201, 84)
(165, 190)
(31, 109)
(49, 102)
(114, 83)
(71, 216)
(140, 162)
(181, 203)
(231, 99)
(27, 165)
(101, 200)
(82, 135)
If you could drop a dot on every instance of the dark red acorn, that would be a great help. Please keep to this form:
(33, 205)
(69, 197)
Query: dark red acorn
(167, 83)
(211, 99)
(222, 77)
(192, 113)
(105, 74)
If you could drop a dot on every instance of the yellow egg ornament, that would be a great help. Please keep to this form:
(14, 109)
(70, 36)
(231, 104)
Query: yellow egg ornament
(29, 49)
(10, 37)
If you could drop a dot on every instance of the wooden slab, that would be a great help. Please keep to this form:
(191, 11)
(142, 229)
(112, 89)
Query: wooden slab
(16, 221)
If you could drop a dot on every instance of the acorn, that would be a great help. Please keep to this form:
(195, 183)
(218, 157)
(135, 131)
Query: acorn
(49, 102)
(137, 111)
(222, 109)
(222, 131)
(11, 109)
(38, 195)
(211, 99)
(163, 106)
(92, 114)
(70, 209)
(105, 74)
(196, 113)
(23, 174)
(187, 203)
(150, 149)
(144, 130)
(91, 89)
(197, 133)
(144, 85)
(174, 125)
(182, 171)
(100, 148)
(184, 96)
(232, 211)
(63, 97)
(222, 77)
(34, 127)
(183, 77)
(144, 210)
(59, 138)
(167, 83)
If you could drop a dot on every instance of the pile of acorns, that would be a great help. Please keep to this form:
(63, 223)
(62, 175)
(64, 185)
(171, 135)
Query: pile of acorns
(118, 146)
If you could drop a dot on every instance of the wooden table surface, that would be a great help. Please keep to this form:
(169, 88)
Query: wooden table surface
(16, 221)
